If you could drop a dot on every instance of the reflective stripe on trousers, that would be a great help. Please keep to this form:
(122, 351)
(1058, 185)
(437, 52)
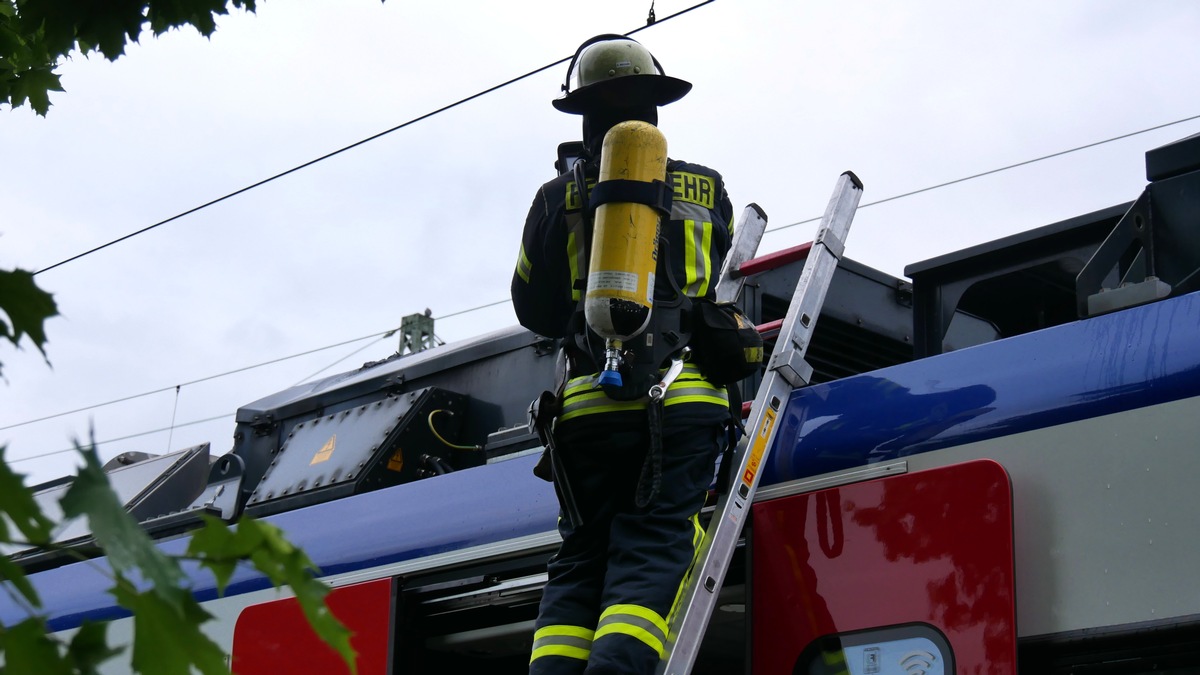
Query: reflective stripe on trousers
(636, 621)
(572, 642)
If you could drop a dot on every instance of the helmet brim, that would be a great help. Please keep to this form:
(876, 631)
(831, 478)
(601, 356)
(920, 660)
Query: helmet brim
(624, 92)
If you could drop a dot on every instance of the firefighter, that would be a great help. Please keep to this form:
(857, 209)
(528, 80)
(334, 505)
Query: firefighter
(638, 473)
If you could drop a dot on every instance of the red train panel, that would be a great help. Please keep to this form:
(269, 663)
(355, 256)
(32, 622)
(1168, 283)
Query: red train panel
(905, 574)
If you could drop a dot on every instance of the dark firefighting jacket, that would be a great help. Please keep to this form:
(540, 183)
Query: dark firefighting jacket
(551, 272)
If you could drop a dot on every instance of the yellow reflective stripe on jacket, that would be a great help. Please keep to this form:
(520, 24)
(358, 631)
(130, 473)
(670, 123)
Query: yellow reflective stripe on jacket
(524, 267)
(697, 257)
(573, 262)
(576, 252)
(584, 396)
(691, 387)
(573, 642)
(637, 622)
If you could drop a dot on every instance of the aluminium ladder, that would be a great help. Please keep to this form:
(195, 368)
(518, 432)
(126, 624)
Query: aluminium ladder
(786, 370)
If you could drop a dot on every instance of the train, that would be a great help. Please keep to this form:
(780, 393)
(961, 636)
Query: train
(993, 470)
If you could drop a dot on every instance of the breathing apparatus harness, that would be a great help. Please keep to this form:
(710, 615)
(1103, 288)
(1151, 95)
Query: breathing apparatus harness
(664, 342)
(677, 324)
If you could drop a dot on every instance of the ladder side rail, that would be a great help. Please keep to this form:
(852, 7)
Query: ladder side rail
(786, 370)
(746, 237)
(819, 266)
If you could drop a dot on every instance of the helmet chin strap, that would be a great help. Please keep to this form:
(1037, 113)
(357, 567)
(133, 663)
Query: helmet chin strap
(596, 123)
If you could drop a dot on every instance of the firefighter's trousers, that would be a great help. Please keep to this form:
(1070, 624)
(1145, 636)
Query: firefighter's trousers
(615, 579)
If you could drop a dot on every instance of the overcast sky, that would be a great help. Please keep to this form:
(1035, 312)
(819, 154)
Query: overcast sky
(787, 96)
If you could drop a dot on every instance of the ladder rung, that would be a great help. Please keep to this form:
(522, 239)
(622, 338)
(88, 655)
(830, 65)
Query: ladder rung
(769, 329)
(773, 260)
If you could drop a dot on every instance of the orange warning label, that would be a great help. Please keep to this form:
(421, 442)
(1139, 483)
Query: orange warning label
(759, 446)
(396, 461)
(325, 452)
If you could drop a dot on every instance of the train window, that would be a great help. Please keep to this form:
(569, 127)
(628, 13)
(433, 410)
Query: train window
(910, 649)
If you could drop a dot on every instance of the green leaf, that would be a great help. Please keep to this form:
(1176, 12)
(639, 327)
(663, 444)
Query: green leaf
(89, 648)
(311, 596)
(283, 563)
(278, 558)
(40, 33)
(11, 572)
(219, 549)
(51, 22)
(18, 504)
(36, 84)
(29, 651)
(12, 45)
(167, 639)
(123, 540)
(26, 305)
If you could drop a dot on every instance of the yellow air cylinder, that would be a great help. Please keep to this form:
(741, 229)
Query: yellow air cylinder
(620, 282)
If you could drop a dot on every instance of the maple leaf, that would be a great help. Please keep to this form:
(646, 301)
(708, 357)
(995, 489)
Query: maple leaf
(21, 510)
(89, 648)
(29, 651)
(27, 307)
(126, 544)
(218, 548)
(167, 639)
(37, 35)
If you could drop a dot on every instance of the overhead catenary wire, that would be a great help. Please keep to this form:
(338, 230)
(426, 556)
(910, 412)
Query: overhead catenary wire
(120, 438)
(439, 340)
(379, 336)
(356, 351)
(174, 410)
(998, 170)
(196, 381)
(352, 145)
(386, 333)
